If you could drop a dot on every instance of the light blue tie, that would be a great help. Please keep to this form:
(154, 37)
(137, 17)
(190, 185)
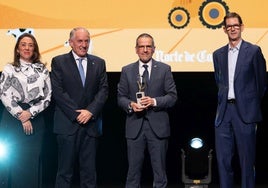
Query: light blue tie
(81, 70)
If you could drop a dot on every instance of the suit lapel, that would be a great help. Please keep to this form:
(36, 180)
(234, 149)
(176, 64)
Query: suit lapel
(240, 59)
(224, 63)
(90, 70)
(153, 76)
(136, 75)
(154, 71)
(74, 69)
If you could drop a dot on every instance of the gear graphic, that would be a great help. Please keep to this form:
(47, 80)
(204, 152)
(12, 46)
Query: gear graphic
(212, 12)
(178, 17)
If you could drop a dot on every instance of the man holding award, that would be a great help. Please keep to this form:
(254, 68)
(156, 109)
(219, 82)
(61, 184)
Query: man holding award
(145, 91)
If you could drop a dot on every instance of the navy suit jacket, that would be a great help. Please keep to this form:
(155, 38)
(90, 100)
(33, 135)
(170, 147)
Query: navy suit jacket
(161, 87)
(249, 82)
(70, 95)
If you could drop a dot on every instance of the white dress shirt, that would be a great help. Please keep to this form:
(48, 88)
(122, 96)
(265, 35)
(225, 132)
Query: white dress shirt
(232, 59)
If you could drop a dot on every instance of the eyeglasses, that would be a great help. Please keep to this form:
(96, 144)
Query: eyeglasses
(230, 27)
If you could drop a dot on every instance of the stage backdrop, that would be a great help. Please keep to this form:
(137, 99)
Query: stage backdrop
(186, 32)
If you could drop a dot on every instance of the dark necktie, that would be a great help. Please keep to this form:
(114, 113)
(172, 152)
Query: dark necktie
(145, 75)
(81, 70)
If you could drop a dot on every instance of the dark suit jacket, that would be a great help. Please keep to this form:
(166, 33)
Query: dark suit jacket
(161, 87)
(70, 95)
(249, 82)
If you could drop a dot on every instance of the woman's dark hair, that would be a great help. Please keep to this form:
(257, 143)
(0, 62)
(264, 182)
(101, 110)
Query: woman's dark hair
(36, 54)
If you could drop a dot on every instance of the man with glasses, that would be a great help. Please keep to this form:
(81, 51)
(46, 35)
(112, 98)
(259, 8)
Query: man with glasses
(145, 91)
(240, 73)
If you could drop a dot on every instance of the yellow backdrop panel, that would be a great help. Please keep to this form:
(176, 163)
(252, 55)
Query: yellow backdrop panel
(184, 30)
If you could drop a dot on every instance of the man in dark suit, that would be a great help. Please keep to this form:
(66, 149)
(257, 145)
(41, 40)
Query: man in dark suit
(79, 101)
(240, 73)
(147, 123)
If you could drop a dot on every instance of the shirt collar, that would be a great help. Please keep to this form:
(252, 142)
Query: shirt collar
(237, 47)
(25, 63)
(76, 56)
(149, 63)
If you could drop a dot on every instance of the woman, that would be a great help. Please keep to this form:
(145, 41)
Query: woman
(25, 91)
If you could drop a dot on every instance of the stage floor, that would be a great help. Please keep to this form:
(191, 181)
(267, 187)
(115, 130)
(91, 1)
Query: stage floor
(150, 186)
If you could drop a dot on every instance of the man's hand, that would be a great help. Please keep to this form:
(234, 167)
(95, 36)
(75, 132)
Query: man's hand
(136, 107)
(84, 116)
(145, 103)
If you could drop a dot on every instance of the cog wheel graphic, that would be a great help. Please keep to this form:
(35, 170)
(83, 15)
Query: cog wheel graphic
(178, 17)
(212, 12)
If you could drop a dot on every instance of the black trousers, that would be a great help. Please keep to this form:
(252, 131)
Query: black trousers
(72, 149)
(157, 148)
(23, 166)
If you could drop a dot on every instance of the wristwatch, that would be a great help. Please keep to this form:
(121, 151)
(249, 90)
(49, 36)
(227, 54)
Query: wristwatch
(130, 109)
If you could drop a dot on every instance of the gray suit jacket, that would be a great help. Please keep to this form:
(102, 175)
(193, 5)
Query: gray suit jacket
(161, 87)
(249, 82)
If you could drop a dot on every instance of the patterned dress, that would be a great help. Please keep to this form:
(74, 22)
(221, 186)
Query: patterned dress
(26, 87)
(29, 83)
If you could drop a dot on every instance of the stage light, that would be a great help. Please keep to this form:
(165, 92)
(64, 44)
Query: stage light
(196, 143)
(3, 151)
(196, 164)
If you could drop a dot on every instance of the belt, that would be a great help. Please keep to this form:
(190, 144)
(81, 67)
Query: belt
(231, 101)
(24, 106)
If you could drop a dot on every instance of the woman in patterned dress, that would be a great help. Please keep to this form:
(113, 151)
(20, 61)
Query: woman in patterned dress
(25, 92)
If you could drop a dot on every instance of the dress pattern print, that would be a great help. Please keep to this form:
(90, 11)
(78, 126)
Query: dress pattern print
(29, 83)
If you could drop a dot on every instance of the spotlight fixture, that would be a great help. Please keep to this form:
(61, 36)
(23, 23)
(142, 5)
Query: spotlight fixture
(3, 151)
(196, 164)
(4, 162)
(196, 143)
